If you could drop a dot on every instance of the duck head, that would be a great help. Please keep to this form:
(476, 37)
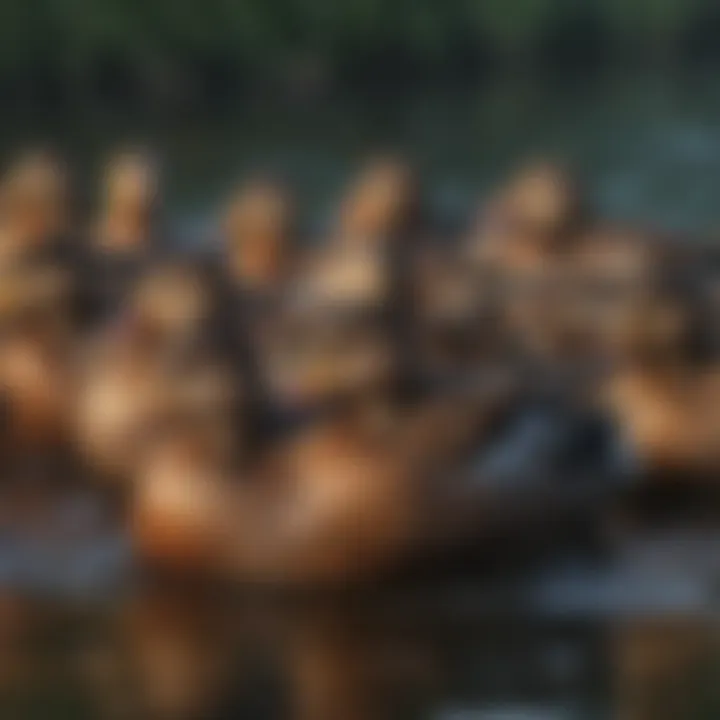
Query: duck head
(130, 204)
(35, 200)
(541, 205)
(259, 229)
(382, 205)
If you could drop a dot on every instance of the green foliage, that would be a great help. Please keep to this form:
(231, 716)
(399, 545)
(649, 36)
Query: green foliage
(72, 40)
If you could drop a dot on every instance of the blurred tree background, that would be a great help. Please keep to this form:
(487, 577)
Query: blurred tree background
(211, 49)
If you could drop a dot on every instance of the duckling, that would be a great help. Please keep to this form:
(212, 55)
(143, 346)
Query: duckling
(35, 205)
(130, 204)
(611, 268)
(563, 313)
(131, 398)
(165, 354)
(260, 264)
(259, 230)
(664, 393)
(559, 272)
(539, 211)
(177, 303)
(36, 361)
(367, 256)
(332, 331)
(35, 288)
(521, 243)
(189, 305)
(38, 224)
(381, 206)
(36, 395)
(369, 264)
(460, 321)
(126, 236)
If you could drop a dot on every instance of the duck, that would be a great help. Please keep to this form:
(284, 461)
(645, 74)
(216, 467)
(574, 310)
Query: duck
(259, 229)
(126, 237)
(178, 302)
(348, 320)
(521, 244)
(131, 203)
(36, 213)
(259, 262)
(122, 405)
(366, 266)
(367, 253)
(538, 210)
(460, 326)
(382, 205)
(558, 270)
(343, 499)
(36, 361)
(363, 491)
(313, 361)
(164, 353)
(664, 391)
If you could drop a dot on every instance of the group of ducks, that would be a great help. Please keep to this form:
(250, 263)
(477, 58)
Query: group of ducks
(276, 410)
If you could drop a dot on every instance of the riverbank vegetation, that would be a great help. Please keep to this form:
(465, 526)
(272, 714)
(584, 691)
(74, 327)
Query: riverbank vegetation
(177, 49)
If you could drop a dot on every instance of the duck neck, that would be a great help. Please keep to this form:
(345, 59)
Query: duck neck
(262, 267)
(126, 230)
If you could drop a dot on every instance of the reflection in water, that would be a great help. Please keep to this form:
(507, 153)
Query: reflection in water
(666, 669)
(186, 653)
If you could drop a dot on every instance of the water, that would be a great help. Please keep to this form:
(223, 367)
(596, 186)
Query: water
(632, 637)
(183, 653)
(649, 144)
